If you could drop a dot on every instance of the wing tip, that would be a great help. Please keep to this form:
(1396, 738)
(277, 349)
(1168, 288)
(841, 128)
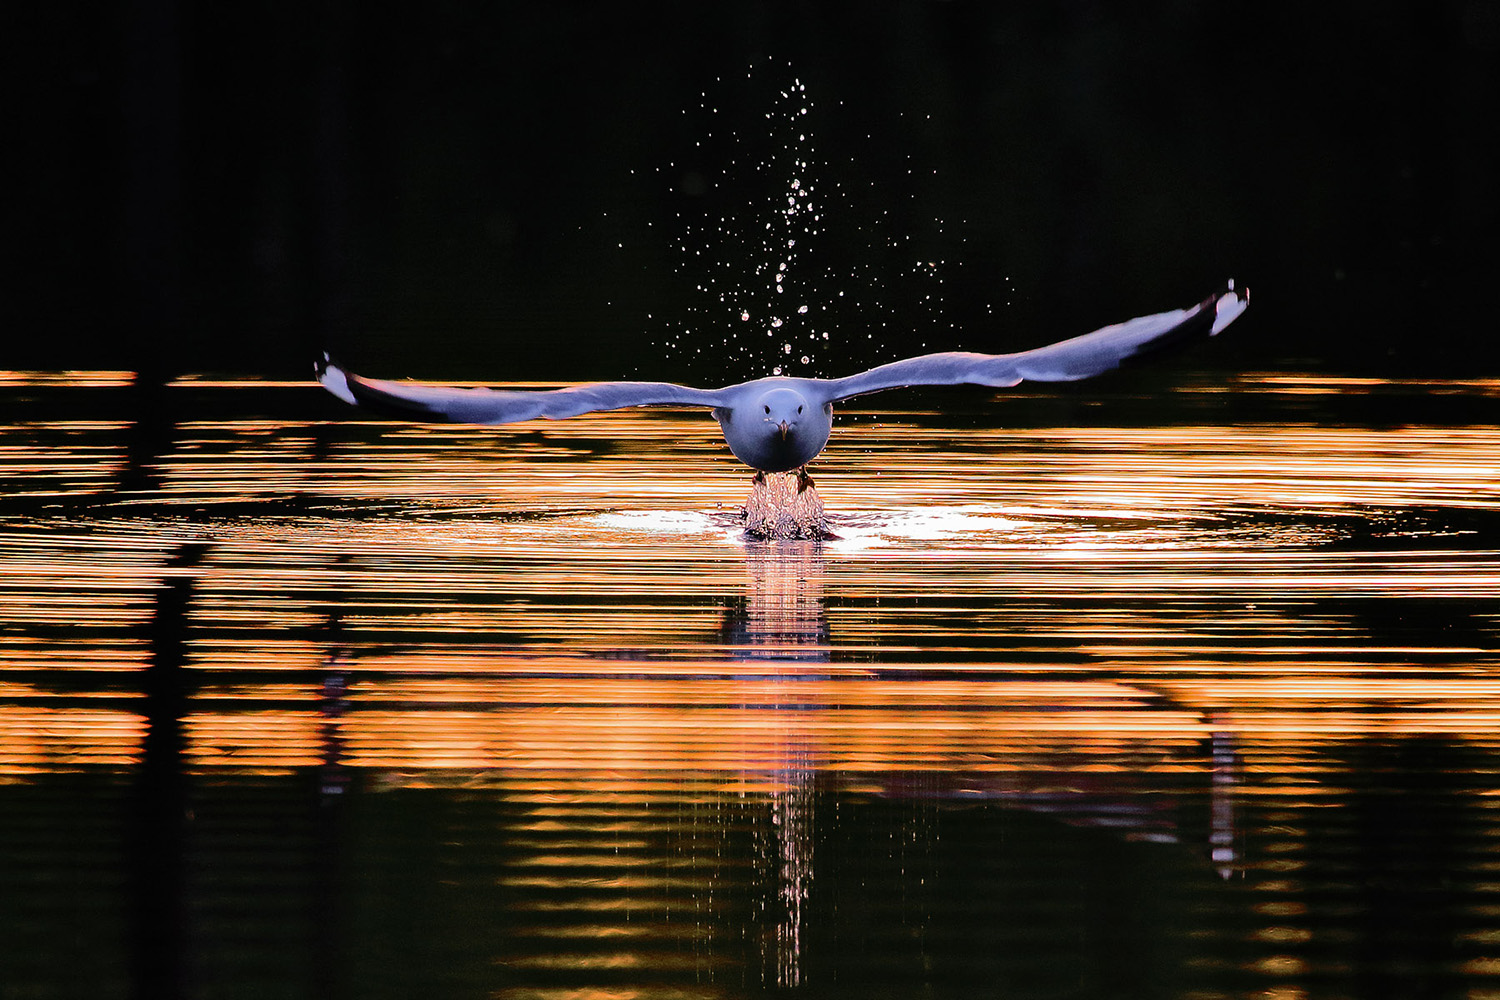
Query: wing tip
(333, 378)
(1228, 305)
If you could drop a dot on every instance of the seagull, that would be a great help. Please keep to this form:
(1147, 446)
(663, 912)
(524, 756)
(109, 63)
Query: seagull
(781, 423)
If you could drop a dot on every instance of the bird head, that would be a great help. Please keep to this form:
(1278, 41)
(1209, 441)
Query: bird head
(781, 411)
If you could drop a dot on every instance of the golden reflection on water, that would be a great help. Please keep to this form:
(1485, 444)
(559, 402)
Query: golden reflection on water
(580, 589)
(1064, 617)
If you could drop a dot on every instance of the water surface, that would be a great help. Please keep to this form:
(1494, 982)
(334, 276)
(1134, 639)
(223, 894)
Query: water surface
(1191, 691)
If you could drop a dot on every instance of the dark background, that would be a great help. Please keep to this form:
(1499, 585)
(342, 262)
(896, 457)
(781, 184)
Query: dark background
(503, 191)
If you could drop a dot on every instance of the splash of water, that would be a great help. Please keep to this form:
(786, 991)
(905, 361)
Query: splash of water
(755, 207)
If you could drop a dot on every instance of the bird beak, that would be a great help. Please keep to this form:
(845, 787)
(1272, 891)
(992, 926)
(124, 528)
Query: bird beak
(783, 428)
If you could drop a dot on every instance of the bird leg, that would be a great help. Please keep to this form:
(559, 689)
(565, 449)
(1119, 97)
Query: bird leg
(784, 505)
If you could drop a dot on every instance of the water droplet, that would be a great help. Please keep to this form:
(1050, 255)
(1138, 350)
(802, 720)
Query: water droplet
(744, 314)
(802, 309)
(805, 359)
(786, 348)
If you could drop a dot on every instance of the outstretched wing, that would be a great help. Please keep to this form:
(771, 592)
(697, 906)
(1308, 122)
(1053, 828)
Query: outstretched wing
(1080, 357)
(496, 406)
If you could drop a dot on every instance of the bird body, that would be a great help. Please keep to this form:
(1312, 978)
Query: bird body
(779, 424)
(773, 425)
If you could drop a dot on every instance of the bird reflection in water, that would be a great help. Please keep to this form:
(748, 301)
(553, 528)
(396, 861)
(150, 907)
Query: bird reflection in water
(782, 620)
(1223, 835)
(782, 616)
(804, 732)
(333, 701)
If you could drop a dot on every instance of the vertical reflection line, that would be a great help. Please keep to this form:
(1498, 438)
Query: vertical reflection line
(159, 827)
(329, 958)
(792, 817)
(783, 617)
(1222, 837)
(333, 702)
(149, 436)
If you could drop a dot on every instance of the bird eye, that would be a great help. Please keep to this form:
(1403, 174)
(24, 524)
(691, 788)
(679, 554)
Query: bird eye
(799, 409)
(768, 409)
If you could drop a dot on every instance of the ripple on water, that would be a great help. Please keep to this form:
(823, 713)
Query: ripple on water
(1238, 679)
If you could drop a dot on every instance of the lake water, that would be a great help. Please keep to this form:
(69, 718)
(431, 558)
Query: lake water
(1186, 688)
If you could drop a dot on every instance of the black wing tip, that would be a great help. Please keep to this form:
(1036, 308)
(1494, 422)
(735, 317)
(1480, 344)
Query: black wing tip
(358, 392)
(1226, 305)
(324, 362)
(334, 379)
(1230, 287)
(1202, 321)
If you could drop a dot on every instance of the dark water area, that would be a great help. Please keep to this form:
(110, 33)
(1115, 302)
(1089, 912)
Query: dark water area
(1083, 701)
